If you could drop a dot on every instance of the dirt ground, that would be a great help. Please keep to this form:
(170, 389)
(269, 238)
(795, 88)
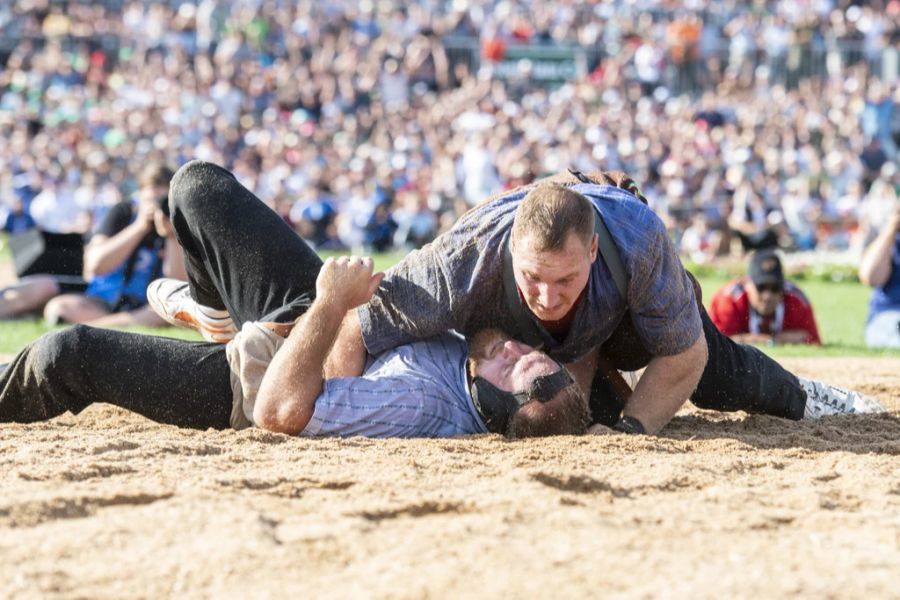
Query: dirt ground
(110, 505)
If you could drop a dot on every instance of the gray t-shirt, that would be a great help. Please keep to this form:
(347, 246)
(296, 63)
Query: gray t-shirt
(456, 282)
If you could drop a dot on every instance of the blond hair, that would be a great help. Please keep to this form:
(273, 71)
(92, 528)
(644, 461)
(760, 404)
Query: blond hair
(549, 213)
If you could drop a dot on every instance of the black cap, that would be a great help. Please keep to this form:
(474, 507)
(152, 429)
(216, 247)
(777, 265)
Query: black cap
(765, 269)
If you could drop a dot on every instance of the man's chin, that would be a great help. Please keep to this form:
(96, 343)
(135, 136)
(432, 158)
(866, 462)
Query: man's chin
(549, 315)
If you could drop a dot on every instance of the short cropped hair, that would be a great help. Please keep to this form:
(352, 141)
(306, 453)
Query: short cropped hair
(549, 213)
(565, 414)
(156, 174)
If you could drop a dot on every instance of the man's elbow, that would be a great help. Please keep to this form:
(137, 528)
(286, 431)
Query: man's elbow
(702, 350)
(288, 419)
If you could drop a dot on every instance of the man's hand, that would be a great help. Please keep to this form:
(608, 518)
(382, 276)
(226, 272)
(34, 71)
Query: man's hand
(347, 281)
(666, 384)
(146, 214)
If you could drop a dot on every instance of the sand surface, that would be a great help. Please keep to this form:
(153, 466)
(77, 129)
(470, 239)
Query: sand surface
(110, 505)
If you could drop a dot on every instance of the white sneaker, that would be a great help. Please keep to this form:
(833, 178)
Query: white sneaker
(171, 300)
(823, 399)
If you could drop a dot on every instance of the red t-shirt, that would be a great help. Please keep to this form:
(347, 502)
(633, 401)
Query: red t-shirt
(730, 310)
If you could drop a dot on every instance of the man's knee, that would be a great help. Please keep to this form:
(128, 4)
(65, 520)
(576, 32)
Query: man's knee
(57, 351)
(197, 181)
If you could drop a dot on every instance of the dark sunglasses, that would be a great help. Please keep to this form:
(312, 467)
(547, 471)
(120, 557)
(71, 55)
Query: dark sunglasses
(770, 287)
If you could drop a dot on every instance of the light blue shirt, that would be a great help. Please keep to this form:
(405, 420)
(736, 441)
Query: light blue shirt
(413, 390)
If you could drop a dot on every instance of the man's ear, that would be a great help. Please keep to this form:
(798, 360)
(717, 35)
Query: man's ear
(595, 244)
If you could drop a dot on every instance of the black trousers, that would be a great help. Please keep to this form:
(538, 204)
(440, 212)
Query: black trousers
(736, 377)
(240, 255)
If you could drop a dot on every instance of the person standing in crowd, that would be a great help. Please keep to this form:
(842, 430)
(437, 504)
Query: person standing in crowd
(763, 307)
(880, 268)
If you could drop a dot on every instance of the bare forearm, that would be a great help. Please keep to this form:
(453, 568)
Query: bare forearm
(792, 336)
(104, 255)
(666, 385)
(294, 378)
(348, 353)
(875, 267)
(752, 338)
(173, 261)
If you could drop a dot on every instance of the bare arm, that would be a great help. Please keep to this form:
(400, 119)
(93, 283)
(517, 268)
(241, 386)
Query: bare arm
(791, 336)
(105, 253)
(666, 385)
(295, 377)
(348, 354)
(875, 267)
(173, 254)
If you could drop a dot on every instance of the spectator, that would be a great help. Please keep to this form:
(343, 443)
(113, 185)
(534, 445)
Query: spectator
(416, 222)
(282, 92)
(880, 268)
(757, 223)
(380, 228)
(132, 246)
(17, 219)
(764, 308)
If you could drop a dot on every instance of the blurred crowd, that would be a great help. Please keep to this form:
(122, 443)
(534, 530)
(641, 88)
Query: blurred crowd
(373, 124)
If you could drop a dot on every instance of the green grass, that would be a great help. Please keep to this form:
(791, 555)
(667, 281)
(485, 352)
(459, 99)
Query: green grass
(840, 308)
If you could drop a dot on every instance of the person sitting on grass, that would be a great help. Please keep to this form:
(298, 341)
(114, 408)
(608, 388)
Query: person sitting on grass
(763, 307)
(880, 268)
(256, 285)
(132, 246)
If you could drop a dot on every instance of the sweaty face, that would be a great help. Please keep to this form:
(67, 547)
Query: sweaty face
(552, 280)
(764, 298)
(506, 363)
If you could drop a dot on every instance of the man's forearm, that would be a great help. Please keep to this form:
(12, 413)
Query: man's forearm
(792, 336)
(294, 378)
(666, 385)
(173, 260)
(875, 267)
(103, 256)
(348, 353)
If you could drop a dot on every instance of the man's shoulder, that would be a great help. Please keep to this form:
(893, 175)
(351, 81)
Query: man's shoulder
(793, 294)
(116, 219)
(438, 358)
(733, 292)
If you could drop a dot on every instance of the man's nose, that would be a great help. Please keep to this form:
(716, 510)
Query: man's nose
(547, 295)
(514, 349)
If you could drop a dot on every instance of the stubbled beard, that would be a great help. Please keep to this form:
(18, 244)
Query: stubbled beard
(566, 414)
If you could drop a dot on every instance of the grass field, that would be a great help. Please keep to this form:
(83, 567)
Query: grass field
(840, 312)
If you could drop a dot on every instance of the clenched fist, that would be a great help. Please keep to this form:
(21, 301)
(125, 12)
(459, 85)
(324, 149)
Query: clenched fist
(347, 281)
